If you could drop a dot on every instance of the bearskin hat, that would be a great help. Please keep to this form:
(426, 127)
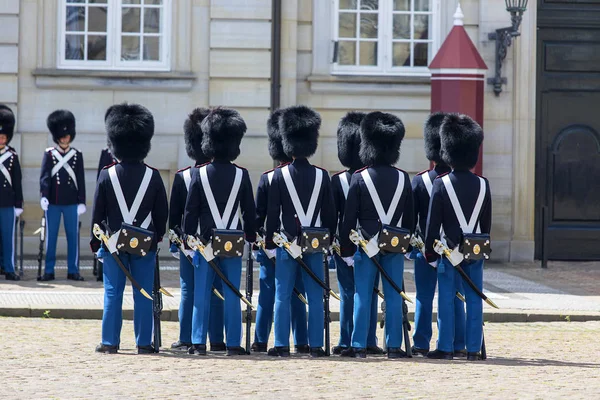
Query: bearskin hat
(460, 138)
(129, 128)
(275, 141)
(7, 122)
(61, 123)
(381, 135)
(299, 127)
(431, 135)
(223, 130)
(192, 131)
(348, 140)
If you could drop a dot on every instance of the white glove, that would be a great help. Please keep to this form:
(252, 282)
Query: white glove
(434, 264)
(81, 209)
(349, 261)
(44, 203)
(270, 252)
(176, 255)
(254, 255)
(18, 212)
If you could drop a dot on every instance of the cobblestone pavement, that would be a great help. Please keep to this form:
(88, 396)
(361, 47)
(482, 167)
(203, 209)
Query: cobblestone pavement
(50, 358)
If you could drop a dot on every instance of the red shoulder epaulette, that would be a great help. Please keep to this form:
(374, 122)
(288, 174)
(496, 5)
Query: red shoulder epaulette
(183, 169)
(481, 176)
(282, 165)
(202, 165)
(422, 172)
(109, 165)
(441, 175)
(321, 168)
(400, 169)
(341, 172)
(240, 167)
(150, 167)
(269, 170)
(360, 170)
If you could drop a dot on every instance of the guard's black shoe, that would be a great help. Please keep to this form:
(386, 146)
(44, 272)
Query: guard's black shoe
(104, 348)
(354, 352)
(145, 350)
(259, 347)
(75, 277)
(179, 345)
(302, 348)
(439, 355)
(474, 356)
(417, 352)
(460, 353)
(46, 278)
(338, 349)
(396, 352)
(99, 278)
(374, 350)
(218, 347)
(197, 349)
(282, 351)
(11, 276)
(2, 272)
(317, 352)
(236, 351)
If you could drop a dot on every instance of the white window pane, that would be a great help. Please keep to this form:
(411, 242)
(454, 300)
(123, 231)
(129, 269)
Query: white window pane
(130, 48)
(421, 54)
(74, 47)
(152, 20)
(368, 53)
(422, 27)
(153, 1)
(369, 4)
(75, 21)
(130, 20)
(151, 48)
(348, 25)
(401, 26)
(97, 19)
(422, 5)
(368, 26)
(347, 53)
(348, 4)
(96, 47)
(401, 55)
(401, 5)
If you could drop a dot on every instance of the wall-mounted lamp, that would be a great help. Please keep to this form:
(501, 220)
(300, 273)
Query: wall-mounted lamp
(504, 37)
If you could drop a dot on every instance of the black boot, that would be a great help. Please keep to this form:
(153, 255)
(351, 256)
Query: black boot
(460, 353)
(179, 345)
(417, 352)
(439, 355)
(317, 352)
(259, 347)
(11, 276)
(197, 349)
(282, 351)
(75, 277)
(104, 348)
(396, 352)
(376, 350)
(474, 356)
(236, 351)
(2, 272)
(218, 347)
(302, 348)
(46, 278)
(338, 349)
(354, 352)
(145, 350)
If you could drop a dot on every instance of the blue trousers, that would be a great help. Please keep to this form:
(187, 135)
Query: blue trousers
(7, 234)
(286, 272)
(204, 276)
(266, 304)
(365, 273)
(142, 270)
(71, 220)
(425, 281)
(186, 306)
(345, 275)
(447, 318)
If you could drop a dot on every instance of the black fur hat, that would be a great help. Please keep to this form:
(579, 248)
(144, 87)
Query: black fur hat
(381, 135)
(299, 127)
(431, 135)
(461, 138)
(7, 122)
(193, 135)
(275, 142)
(348, 140)
(129, 127)
(223, 130)
(61, 123)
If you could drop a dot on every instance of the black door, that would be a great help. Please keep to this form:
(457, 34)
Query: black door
(568, 129)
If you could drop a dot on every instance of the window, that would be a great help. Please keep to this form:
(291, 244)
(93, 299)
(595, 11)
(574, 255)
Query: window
(374, 37)
(114, 34)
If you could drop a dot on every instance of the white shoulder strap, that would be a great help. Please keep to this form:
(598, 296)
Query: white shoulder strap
(187, 178)
(427, 181)
(305, 218)
(270, 176)
(63, 162)
(470, 226)
(130, 214)
(384, 217)
(221, 221)
(345, 184)
(3, 169)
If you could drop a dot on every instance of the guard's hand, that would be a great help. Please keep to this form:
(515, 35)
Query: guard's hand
(44, 203)
(81, 209)
(255, 255)
(270, 252)
(175, 255)
(434, 264)
(18, 212)
(349, 261)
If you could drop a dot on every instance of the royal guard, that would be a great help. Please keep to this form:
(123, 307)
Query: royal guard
(219, 193)
(378, 216)
(266, 297)
(129, 219)
(181, 184)
(348, 142)
(106, 158)
(425, 274)
(62, 186)
(11, 193)
(461, 206)
(301, 220)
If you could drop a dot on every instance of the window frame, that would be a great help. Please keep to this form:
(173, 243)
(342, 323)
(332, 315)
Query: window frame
(113, 41)
(385, 42)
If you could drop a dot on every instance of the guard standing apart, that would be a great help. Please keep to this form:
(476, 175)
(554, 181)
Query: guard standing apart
(461, 205)
(181, 184)
(379, 200)
(106, 158)
(129, 195)
(348, 142)
(299, 199)
(11, 192)
(425, 274)
(62, 186)
(266, 297)
(218, 191)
